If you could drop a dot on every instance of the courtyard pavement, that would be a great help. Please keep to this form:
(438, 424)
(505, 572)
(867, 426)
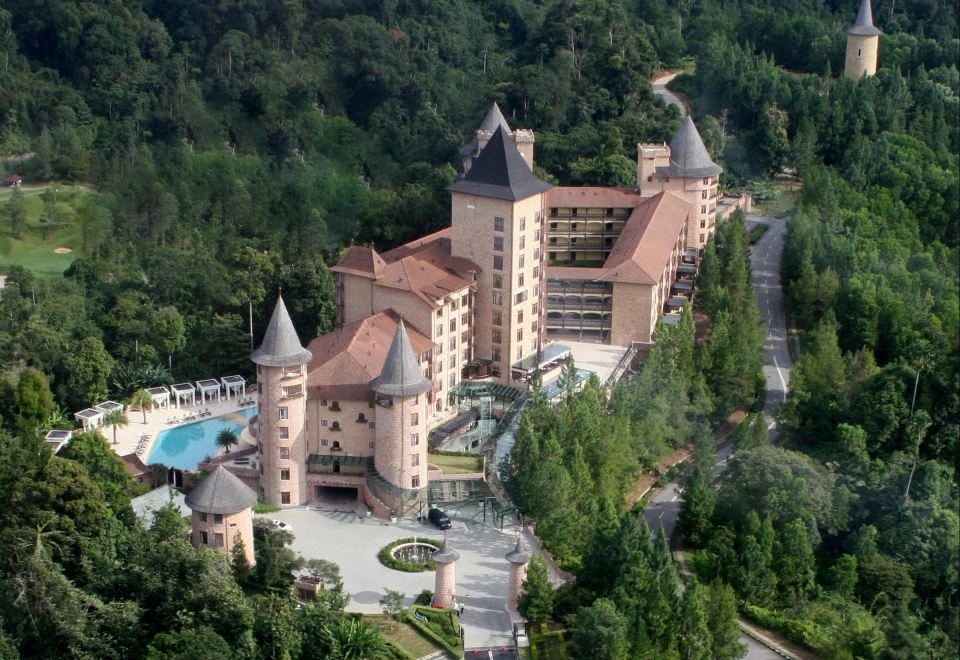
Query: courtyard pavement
(353, 543)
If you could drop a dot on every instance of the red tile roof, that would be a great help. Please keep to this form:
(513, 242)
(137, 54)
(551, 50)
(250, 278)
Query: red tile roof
(358, 260)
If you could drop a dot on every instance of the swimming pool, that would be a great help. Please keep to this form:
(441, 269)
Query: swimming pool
(185, 446)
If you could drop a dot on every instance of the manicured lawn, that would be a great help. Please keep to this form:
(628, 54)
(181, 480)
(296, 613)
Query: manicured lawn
(456, 464)
(403, 635)
(32, 250)
(784, 204)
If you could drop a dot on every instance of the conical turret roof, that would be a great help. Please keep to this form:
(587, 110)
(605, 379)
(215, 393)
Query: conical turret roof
(688, 155)
(864, 26)
(221, 492)
(401, 375)
(500, 172)
(445, 555)
(520, 554)
(494, 120)
(280, 346)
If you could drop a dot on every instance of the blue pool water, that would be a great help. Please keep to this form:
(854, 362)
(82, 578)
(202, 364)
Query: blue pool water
(185, 446)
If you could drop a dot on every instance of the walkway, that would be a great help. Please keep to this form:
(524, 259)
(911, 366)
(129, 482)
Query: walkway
(660, 89)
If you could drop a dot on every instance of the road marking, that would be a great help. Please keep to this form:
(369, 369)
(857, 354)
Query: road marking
(723, 461)
(783, 383)
(660, 516)
(771, 425)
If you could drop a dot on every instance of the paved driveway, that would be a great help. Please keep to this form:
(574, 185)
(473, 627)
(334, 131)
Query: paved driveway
(353, 544)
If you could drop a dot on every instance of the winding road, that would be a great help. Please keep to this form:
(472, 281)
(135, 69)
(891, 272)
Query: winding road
(664, 509)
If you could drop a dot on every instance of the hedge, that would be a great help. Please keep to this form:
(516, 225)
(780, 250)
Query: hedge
(437, 635)
(390, 561)
(800, 631)
(554, 646)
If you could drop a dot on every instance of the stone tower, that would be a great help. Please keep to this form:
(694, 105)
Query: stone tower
(519, 559)
(281, 438)
(401, 433)
(497, 213)
(685, 169)
(445, 582)
(863, 43)
(222, 507)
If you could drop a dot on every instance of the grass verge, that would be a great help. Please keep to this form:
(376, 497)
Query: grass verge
(457, 463)
(403, 635)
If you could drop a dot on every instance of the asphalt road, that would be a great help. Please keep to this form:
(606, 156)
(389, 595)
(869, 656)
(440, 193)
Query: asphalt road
(664, 509)
(660, 89)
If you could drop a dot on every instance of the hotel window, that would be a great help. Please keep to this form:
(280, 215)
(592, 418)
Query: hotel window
(536, 308)
(497, 298)
(495, 354)
(439, 385)
(371, 425)
(520, 280)
(323, 442)
(466, 355)
(521, 261)
(203, 517)
(218, 540)
(203, 538)
(519, 352)
(536, 272)
(523, 223)
(703, 209)
(439, 365)
(533, 344)
(498, 281)
(520, 297)
(414, 439)
(703, 195)
(453, 304)
(415, 481)
(495, 337)
(453, 325)
(497, 318)
(536, 236)
(285, 474)
(520, 334)
(464, 319)
(453, 380)
(498, 224)
(523, 242)
(464, 300)
(703, 224)
(498, 243)
(533, 327)
(371, 445)
(520, 316)
(439, 329)
(706, 181)
(282, 413)
(284, 498)
(416, 399)
(414, 419)
(285, 453)
(536, 253)
(498, 262)
(453, 343)
(323, 422)
(701, 238)
(415, 460)
(283, 432)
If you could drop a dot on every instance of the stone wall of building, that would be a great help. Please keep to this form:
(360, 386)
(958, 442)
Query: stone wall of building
(219, 532)
(401, 442)
(861, 59)
(356, 422)
(282, 434)
(634, 313)
(357, 297)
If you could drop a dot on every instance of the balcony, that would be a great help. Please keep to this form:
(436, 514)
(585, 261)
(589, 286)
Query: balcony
(578, 286)
(577, 304)
(291, 373)
(291, 392)
(385, 401)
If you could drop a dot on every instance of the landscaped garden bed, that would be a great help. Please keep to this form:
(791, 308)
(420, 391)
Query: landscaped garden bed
(411, 554)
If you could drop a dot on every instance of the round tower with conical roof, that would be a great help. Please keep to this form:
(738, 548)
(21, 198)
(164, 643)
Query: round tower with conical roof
(282, 386)
(519, 559)
(445, 580)
(401, 434)
(863, 44)
(222, 513)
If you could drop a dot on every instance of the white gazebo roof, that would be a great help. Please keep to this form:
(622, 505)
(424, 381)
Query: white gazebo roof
(210, 384)
(57, 439)
(159, 393)
(233, 381)
(88, 414)
(182, 389)
(109, 406)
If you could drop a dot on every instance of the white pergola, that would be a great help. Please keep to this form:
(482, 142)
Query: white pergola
(57, 439)
(183, 391)
(231, 385)
(90, 418)
(208, 387)
(160, 396)
(108, 407)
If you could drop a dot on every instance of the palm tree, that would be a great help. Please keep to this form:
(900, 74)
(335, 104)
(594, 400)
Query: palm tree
(115, 418)
(141, 399)
(347, 639)
(227, 439)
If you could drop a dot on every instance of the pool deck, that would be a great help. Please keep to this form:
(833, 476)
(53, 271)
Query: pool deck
(129, 437)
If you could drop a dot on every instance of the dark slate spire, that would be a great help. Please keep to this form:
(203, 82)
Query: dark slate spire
(500, 172)
(494, 120)
(221, 492)
(445, 555)
(401, 375)
(520, 554)
(280, 346)
(863, 26)
(688, 156)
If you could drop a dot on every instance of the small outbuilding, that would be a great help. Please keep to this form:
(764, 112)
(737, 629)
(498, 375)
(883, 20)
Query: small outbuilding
(222, 507)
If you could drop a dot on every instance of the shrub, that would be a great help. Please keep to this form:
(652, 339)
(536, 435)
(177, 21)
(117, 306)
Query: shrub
(388, 560)
(441, 626)
(801, 631)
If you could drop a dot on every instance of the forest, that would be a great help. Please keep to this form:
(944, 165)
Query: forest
(216, 152)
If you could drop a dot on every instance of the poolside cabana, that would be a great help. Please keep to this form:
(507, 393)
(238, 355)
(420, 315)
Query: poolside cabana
(89, 418)
(234, 385)
(57, 439)
(207, 387)
(160, 396)
(183, 391)
(108, 407)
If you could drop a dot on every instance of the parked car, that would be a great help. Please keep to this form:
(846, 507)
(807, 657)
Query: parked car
(282, 526)
(439, 518)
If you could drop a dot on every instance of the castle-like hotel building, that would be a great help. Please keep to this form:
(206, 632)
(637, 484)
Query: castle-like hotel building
(522, 262)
